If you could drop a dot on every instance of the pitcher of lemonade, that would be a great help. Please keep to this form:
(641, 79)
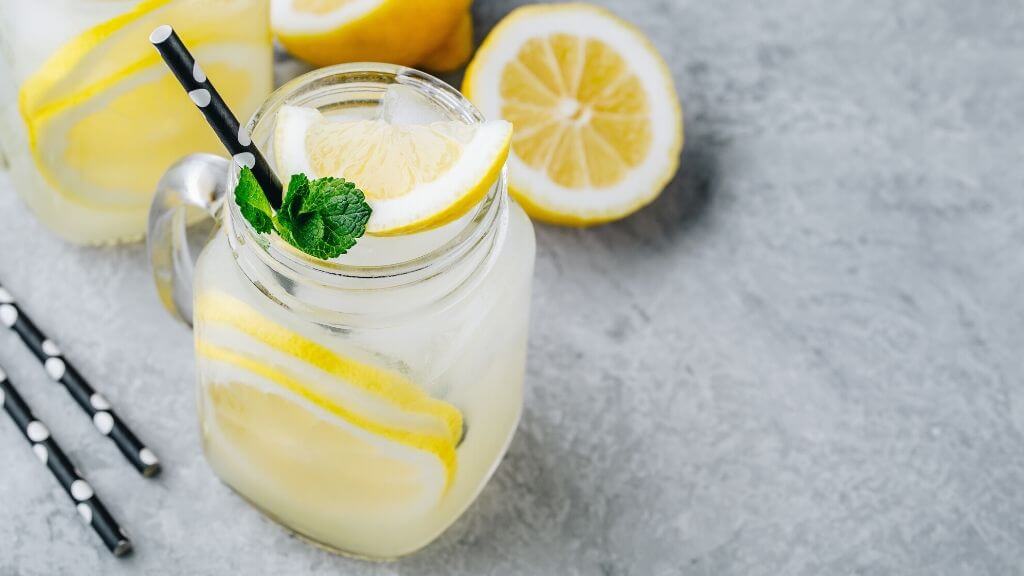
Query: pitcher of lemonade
(89, 116)
(362, 401)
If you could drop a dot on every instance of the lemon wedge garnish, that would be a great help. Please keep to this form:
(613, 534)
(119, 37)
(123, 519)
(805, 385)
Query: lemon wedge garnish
(325, 32)
(598, 122)
(105, 117)
(415, 176)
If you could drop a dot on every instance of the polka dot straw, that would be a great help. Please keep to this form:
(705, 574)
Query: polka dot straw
(88, 505)
(62, 372)
(224, 123)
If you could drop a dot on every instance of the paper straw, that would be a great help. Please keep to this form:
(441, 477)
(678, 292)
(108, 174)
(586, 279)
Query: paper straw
(224, 123)
(62, 372)
(49, 453)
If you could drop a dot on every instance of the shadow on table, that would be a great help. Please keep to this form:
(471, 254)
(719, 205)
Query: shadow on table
(520, 517)
(680, 207)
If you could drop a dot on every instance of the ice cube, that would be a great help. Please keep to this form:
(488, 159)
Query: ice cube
(404, 105)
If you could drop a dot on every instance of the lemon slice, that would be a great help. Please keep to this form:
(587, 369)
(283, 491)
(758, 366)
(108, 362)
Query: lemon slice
(376, 394)
(105, 117)
(318, 425)
(307, 456)
(598, 123)
(415, 176)
(442, 448)
(326, 32)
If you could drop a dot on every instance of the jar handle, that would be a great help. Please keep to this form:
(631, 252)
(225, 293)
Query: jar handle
(182, 219)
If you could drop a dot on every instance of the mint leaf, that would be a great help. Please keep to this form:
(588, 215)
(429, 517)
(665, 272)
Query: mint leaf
(253, 202)
(323, 217)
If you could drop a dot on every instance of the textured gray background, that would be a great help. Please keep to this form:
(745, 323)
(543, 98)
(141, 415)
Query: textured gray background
(805, 358)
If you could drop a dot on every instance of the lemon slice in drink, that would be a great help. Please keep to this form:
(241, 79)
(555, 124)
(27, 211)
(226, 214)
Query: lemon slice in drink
(105, 117)
(319, 425)
(598, 122)
(369, 392)
(303, 453)
(415, 176)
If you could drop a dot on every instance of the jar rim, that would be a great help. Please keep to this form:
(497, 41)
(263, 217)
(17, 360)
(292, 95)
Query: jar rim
(279, 254)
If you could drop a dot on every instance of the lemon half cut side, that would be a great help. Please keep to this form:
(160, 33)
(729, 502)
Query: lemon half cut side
(598, 123)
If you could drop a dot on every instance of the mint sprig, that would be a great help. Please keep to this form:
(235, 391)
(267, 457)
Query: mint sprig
(322, 217)
(253, 202)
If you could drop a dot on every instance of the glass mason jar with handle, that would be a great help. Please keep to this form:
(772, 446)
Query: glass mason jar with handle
(89, 115)
(362, 402)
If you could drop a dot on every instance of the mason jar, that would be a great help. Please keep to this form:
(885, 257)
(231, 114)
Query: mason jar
(90, 117)
(361, 402)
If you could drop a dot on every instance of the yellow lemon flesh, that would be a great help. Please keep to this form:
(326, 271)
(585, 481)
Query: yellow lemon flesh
(325, 32)
(329, 428)
(415, 176)
(598, 123)
(105, 117)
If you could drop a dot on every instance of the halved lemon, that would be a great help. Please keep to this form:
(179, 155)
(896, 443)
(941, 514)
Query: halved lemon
(455, 51)
(325, 32)
(598, 123)
(105, 117)
(415, 176)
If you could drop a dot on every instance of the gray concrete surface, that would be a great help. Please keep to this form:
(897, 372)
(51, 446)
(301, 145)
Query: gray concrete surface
(804, 359)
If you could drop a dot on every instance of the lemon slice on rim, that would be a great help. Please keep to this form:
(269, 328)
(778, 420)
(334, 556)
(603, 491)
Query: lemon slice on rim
(415, 176)
(105, 117)
(598, 122)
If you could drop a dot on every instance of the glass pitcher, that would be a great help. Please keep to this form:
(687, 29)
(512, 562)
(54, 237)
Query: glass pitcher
(89, 115)
(361, 402)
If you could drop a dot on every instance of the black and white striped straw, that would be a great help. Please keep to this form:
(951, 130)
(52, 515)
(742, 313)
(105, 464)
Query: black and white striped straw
(61, 371)
(233, 135)
(49, 453)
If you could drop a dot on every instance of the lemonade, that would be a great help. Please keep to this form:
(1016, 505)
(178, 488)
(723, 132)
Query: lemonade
(89, 116)
(364, 401)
